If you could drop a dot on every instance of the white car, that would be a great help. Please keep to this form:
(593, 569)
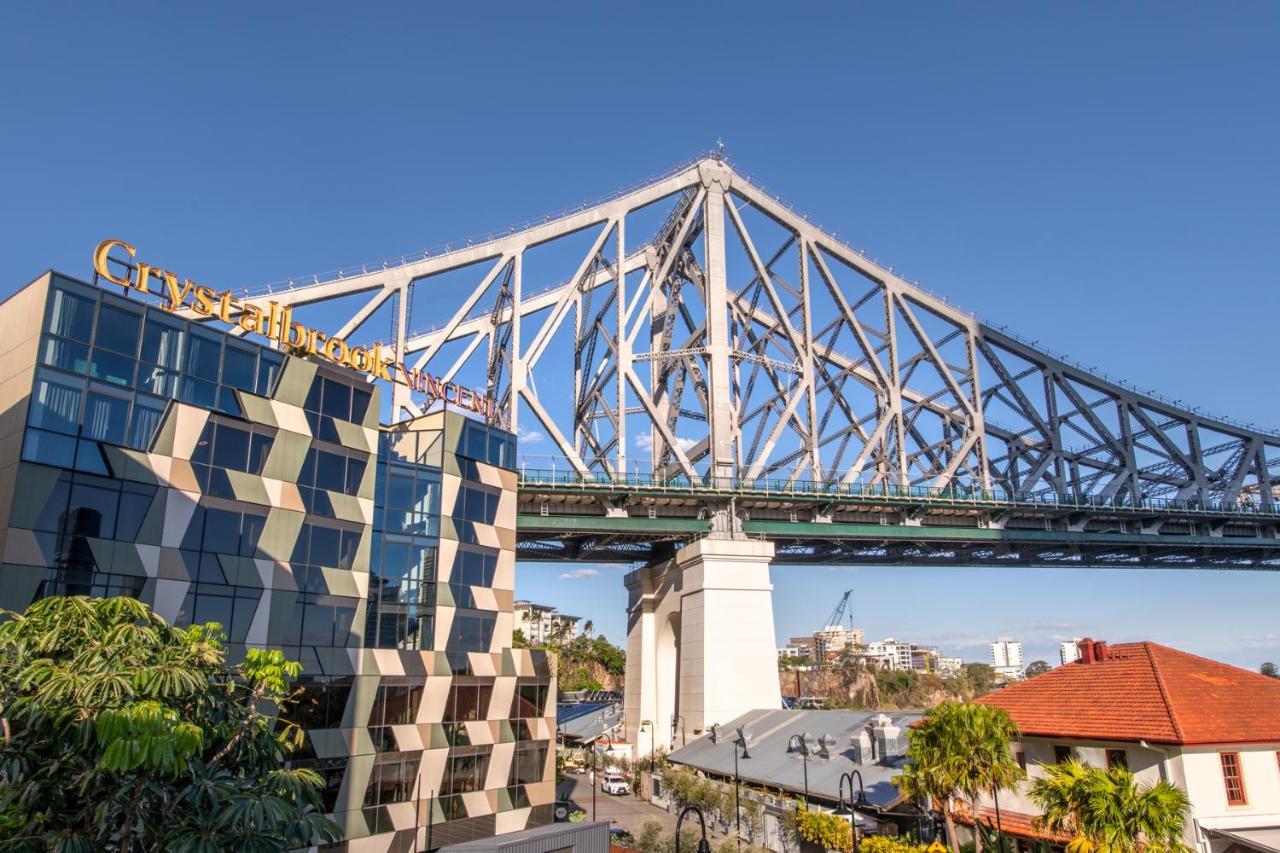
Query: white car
(615, 785)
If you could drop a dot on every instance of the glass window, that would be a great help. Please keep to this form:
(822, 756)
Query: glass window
(213, 608)
(147, 412)
(49, 448)
(355, 473)
(112, 367)
(1117, 758)
(56, 404)
(89, 458)
(330, 471)
(239, 367)
(105, 417)
(250, 533)
(259, 450)
(231, 448)
(399, 490)
(324, 546)
(360, 404)
(55, 506)
(204, 352)
(157, 380)
(118, 330)
(198, 393)
(71, 316)
(221, 531)
(162, 341)
(1233, 779)
(135, 501)
(337, 400)
(1062, 753)
(68, 355)
(268, 369)
(92, 511)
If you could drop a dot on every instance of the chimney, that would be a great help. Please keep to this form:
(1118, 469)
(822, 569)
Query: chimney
(1086, 650)
(863, 751)
(886, 737)
(1100, 650)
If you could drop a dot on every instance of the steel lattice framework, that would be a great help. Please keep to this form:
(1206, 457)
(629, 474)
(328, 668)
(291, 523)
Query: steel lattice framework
(730, 337)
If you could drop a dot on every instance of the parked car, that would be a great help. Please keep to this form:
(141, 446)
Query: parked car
(615, 785)
(564, 810)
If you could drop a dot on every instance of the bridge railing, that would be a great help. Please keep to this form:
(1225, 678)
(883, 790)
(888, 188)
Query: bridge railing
(818, 488)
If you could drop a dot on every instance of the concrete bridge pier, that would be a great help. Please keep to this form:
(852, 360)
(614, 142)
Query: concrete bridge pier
(700, 642)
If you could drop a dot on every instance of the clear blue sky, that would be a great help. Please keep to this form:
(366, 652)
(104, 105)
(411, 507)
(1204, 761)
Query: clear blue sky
(1103, 180)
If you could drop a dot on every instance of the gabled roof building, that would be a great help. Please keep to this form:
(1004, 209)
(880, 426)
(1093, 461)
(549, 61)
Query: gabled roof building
(1208, 727)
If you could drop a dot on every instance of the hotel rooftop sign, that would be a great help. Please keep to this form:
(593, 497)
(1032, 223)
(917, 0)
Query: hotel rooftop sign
(276, 323)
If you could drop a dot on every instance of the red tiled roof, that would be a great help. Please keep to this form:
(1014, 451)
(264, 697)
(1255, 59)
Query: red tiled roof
(1014, 823)
(1146, 691)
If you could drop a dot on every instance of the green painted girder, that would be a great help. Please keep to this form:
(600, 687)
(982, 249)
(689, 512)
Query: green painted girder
(526, 524)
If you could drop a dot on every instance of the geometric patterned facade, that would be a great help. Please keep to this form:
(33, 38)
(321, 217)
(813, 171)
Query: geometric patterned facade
(146, 455)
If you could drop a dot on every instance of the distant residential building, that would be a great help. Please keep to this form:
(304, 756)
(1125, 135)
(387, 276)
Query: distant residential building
(924, 658)
(832, 640)
(807, 645)
(950, 666)
(1006, 658)
(1070, 651)
(541, 623)
(793, 651)
(1207, 727)
(897, 655)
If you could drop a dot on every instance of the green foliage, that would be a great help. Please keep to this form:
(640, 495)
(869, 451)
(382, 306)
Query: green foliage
(1037, 667)
(827, 830)
(649, 839)
(982, 677)
(1108, 811)
(1270, 670)
(128, 734)
(889, 844)
(959, 749)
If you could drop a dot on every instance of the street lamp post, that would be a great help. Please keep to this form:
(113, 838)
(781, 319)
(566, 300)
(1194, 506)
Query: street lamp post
(652, 749)
(796, 743)
(854, 805)
(995, 797)
(737, 808)
(703, 845)
(676, 718)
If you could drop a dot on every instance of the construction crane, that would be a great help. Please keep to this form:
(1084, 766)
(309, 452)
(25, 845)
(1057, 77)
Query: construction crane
(838, 613)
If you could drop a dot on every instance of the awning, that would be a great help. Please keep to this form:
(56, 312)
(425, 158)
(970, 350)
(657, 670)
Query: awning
(1264, 838)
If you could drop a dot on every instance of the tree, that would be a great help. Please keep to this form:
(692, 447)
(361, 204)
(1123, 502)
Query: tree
(518, 640)
(1107, 811)
(959, 749)
(1270, 670)
(981, 676)
(127, 734)
(588, 628)
(1037, 667)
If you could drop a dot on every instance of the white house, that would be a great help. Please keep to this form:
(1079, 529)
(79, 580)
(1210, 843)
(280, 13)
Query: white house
(1207, 727)
(542, 623)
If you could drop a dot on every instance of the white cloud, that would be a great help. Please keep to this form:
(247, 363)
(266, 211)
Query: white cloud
(644, 441)
(528, 436)
(577, 574)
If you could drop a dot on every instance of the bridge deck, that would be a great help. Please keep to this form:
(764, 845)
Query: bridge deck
(566, 516)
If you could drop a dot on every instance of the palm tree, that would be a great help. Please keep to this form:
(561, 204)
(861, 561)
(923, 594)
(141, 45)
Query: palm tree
(588, 628)
(1108, 811)
(960, 749)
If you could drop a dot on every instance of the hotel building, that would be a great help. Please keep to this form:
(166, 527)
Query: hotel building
(148, 455)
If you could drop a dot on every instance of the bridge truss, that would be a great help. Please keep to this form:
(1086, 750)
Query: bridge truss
(696, 327)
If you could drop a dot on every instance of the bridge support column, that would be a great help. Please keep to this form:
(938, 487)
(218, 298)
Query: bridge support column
(700, 642)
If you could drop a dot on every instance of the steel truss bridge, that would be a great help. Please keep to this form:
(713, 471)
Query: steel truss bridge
(699, 359)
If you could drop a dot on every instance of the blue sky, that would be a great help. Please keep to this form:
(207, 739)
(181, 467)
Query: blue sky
(1103, 180)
